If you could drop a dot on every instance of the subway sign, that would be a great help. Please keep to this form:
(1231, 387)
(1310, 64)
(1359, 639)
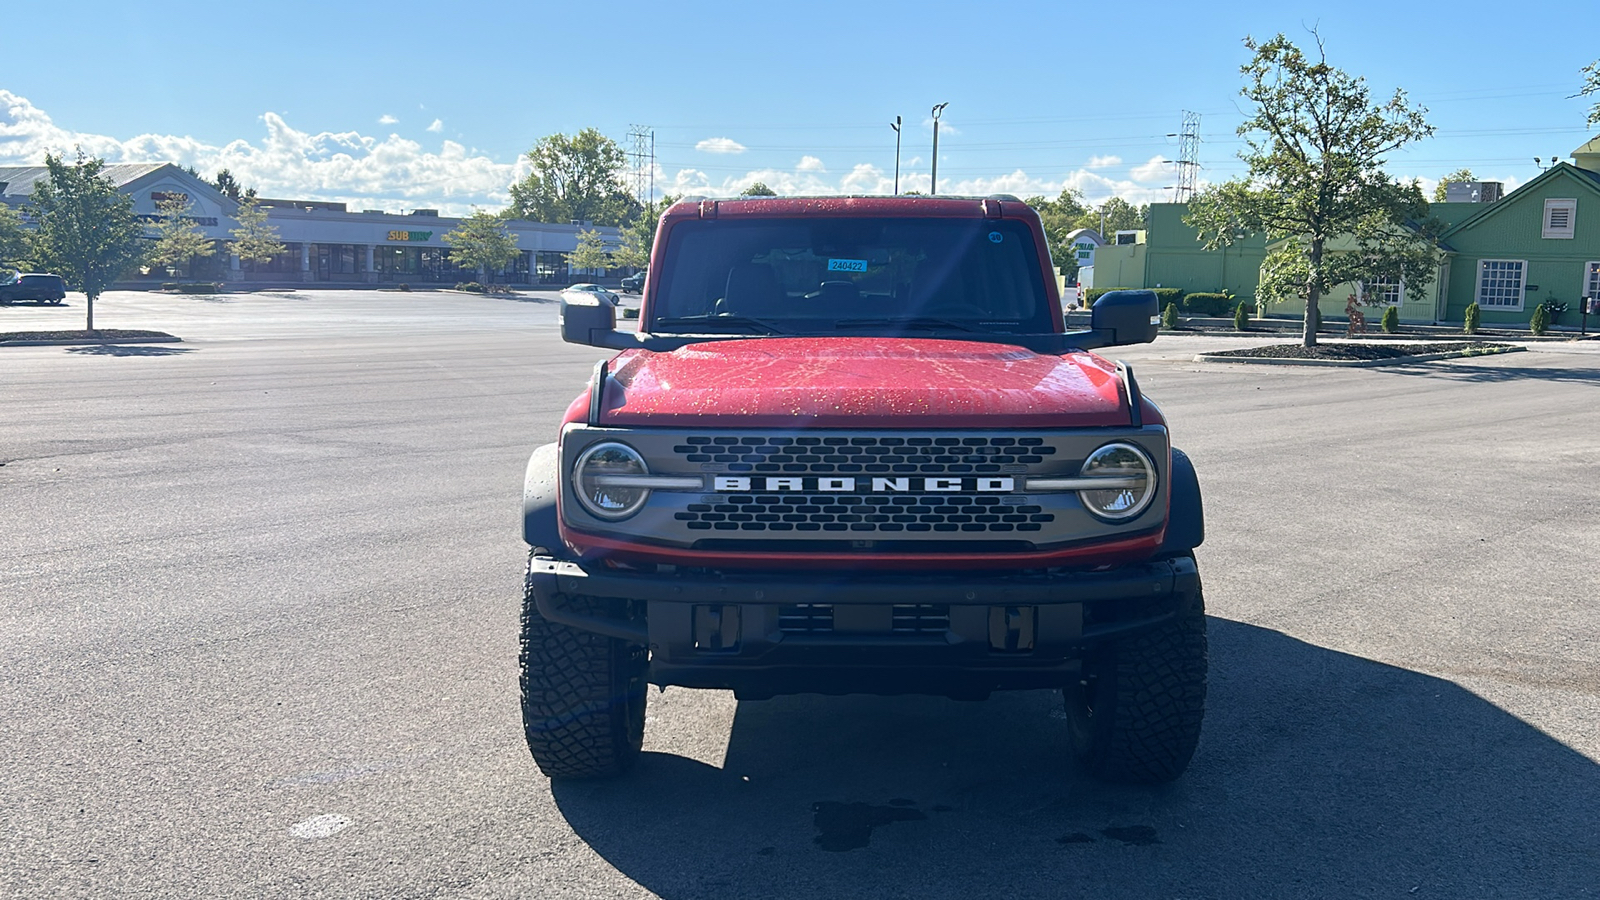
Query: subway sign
(410, 235)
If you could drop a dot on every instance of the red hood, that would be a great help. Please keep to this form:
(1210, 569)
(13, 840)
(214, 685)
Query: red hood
(843, 382)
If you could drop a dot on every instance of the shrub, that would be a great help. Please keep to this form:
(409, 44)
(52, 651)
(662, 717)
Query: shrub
(1169, 317)
(1163, 295)
(1241, 317)
(1209, 304)
(630, 313)
(1391, 320)
(1470, 324)
(471, 287)
(402, 286)
(1554, 308)
(1540, 323)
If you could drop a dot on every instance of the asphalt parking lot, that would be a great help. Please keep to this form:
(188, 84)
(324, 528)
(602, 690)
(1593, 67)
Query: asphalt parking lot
(258, 603)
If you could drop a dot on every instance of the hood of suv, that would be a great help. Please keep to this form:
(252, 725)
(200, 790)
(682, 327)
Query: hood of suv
(862, 382)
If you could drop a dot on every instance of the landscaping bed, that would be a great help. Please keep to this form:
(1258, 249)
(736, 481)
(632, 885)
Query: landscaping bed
(99, 335)
(1361, 352)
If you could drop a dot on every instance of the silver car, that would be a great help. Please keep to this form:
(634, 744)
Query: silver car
(609, 296)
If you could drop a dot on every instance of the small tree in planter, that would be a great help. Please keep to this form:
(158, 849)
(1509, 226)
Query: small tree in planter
(1241, 317)
(1391, 320)
(1169, 317)
(1470, 323)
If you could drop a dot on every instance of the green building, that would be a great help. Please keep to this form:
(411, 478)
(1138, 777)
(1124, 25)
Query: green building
(1540, 242)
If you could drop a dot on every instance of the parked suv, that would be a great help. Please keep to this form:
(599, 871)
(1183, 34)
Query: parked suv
(852, 448)
(634, 283)
(36, 286)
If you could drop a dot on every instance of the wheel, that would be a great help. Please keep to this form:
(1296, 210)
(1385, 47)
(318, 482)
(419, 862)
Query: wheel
(583, 694)
(1135, 715)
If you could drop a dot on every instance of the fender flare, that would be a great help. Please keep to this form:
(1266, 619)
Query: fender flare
(540, 518)
(1186, 520)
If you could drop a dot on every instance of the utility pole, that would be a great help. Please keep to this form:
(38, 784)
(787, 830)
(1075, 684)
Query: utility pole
(640, 137)
(937, 112)
(1188, 156)
(896, 126)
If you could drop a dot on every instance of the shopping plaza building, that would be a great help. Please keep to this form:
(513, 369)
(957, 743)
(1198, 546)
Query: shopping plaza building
(325, 243)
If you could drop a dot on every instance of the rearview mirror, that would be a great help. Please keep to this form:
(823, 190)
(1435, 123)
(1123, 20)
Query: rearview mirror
(587, 319)
(1126, 317)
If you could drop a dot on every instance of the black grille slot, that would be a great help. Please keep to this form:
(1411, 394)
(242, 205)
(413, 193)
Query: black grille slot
(880, 513)
(921, 618)
(875, 455)
(805, 618)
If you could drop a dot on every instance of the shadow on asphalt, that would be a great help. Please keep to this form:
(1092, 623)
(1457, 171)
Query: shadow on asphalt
(1321, 774)
(128, 350)
(1488, 374)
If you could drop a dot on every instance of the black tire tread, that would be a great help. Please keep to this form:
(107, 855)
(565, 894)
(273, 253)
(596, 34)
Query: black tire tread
(1150, 704)
(583, 695)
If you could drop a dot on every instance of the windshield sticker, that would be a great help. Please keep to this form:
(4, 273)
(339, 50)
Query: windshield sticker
(996, 237)
(847, 265)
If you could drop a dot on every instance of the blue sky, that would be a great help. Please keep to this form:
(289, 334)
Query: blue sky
(405, 104)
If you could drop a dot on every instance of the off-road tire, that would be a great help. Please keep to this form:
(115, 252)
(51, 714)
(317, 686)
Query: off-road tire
(583, 694)
(1135, 716)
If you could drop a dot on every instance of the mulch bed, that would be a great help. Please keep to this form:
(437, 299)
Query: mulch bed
(99, 334)
(1356, 352)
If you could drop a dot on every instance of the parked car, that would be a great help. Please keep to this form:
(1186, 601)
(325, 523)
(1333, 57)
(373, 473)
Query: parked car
(634, 283)
(609, 296)
(39, 287)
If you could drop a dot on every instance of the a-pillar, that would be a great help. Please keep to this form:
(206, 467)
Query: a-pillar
(305, 262)
(371, 270)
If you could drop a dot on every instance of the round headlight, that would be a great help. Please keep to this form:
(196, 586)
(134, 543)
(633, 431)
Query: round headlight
(600, 479)
(1131, 482)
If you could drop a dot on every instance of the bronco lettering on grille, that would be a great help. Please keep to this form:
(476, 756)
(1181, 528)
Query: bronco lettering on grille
(986, 485)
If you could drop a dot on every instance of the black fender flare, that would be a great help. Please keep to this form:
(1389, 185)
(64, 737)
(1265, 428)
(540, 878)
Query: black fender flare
(541, 525)
(1186, 519)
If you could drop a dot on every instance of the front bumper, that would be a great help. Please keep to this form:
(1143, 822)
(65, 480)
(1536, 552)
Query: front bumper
(957, 634)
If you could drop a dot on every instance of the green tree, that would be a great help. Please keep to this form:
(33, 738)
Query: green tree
(639, 236)
(1459, 176)
(14, 250)
(758, 189)
(229, 187)
(482, 242)
(1061, 217)
(591, 252)
(1591, 87)
(1314, 148)
(254, 239)
(178, 237)
(576, 179)
(86, 230)
(1114, 215)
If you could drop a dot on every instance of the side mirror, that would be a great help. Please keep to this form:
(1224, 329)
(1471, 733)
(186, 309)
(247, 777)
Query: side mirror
(1126, 317)
(587, 319)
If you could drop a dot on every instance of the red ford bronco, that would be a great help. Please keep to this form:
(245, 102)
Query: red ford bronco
(853, 448)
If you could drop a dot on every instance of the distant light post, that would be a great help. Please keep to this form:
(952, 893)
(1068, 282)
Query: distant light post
(896, 126)
(937, 111)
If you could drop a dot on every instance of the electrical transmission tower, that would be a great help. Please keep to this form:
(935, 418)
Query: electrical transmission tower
(642, 163)
(1188, 156)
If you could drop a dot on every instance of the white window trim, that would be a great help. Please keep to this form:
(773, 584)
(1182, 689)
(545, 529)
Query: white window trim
(1400, 295)
(1570, 204)
(1477, 292)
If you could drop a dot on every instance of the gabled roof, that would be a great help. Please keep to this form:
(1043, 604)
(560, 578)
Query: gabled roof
(1090, 233)
(1583, 177)
(19, 180)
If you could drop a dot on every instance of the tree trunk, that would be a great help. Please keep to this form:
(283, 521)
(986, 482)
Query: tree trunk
(1309, 330)
(90, 305)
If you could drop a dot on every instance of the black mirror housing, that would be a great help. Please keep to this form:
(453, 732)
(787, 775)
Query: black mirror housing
(593, 323)
(1126, 317)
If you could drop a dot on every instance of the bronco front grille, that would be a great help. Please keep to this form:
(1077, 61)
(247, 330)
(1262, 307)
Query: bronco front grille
(942, 513)
(872, 455)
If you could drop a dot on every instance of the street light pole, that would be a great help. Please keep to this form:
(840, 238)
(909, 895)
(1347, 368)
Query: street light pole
(937, 111)
(896, 126)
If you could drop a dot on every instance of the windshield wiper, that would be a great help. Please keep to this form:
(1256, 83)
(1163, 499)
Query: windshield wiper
(723, 321)
(920, 322)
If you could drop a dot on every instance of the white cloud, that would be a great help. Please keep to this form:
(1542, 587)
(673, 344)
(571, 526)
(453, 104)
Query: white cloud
(1157, 169)
(1104, 162)
(719, 145)
(364, 171)
(437, 126)
(811, 164)
(387, 119)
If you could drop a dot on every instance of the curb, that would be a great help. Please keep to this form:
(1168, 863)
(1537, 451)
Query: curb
(85, 342)
(1352, 363)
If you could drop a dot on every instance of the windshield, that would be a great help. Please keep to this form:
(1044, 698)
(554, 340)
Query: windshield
(811, 276)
